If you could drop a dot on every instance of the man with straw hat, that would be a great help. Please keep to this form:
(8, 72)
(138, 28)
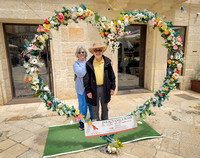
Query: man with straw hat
(99, 81)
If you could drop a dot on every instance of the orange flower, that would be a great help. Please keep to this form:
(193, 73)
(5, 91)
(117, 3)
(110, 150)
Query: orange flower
(157, 19)
(102, 34)
(30, 78)
(106, 40)
(166, 32)
(166, 88)
(169, 61)
(89, 122)
(172, 79)
(176, 62)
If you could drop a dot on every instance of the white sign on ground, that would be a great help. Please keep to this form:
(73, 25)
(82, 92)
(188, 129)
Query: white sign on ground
(107, 127)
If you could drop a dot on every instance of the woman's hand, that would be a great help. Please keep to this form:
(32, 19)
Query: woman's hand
(112, 92)
(89, 95)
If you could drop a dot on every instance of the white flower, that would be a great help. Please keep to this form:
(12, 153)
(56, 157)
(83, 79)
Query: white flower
(80, 11)
(52, 23)
(175, 76)
(179, 66)
(139, 15)
(46, 88)
(111, 35)
(113, 149)
(45, 97)
(71, 122)
(110, 25)
(35, 80)
(41, 47)
(41, 39)
(26, 65)
(45, 36)
(35, 87)
(151, 22)
(109, 149)
(103, 18)
(34, 61)
(60, 105)
(119, 22)
(113, 29)
(126, 21)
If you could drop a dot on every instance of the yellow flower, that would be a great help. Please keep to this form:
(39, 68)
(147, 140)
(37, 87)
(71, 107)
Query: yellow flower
(46, 26)
(76, 112)
(166, 32)
(106, 27)
(164, 27)
(65, 14)
(140, 20)
(91, 14)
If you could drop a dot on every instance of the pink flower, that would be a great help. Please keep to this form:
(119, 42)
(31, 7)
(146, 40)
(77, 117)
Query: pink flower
(40, 29)
(60, 17)
(171, 57)
(36, 35)
(128, 32)
(121, 34)
(175, 47)
(34, 47)
(179, 39)
(28, 55)
(36, 69)
(79, 117)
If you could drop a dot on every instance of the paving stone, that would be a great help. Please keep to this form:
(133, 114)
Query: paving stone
(173, 134)
(14, 151)
(6, 144)
(197, 120)
(191, 138)
(189, 151)
(32, 127)
(21, 136)
(142, 151)
(21, 123)
(161, 154)
(195, 130)
(36, 142)
(170, 145)
(30, 153)
(154, 143)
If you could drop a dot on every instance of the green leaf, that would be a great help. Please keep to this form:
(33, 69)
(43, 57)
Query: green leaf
(83, 6)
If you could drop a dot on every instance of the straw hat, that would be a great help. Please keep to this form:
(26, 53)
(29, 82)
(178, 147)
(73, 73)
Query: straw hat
(96, 46)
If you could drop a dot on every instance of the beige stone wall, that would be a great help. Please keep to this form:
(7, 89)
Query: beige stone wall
(5, 78)
(66, 40)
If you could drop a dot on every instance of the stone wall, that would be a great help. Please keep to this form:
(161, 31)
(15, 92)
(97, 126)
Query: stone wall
(65, 41)
(5, 78)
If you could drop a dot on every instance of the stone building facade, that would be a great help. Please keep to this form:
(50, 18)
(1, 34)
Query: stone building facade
(65, 41)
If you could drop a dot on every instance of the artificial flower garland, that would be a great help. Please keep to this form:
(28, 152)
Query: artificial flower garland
(111, 31)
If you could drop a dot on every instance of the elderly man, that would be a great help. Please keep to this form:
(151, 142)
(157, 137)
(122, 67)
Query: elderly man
(99, 81)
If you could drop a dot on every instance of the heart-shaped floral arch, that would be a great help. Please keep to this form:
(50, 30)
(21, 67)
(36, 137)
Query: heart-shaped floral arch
(111, 31)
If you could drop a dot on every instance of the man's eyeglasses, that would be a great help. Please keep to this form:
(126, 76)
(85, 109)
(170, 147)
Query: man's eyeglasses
(82, 52)
(97, 50)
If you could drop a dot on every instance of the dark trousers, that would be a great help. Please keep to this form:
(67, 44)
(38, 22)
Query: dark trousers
(104, 106)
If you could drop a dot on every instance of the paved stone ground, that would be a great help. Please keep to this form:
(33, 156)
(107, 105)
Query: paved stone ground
(24, 128)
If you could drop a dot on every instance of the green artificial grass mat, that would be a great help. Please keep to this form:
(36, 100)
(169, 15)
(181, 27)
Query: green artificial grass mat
(69, 138)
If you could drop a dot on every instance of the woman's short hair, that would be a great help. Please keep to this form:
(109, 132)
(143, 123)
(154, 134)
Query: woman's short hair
(78, 49)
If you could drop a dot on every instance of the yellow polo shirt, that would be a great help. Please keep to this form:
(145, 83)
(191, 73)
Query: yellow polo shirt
(99, 71)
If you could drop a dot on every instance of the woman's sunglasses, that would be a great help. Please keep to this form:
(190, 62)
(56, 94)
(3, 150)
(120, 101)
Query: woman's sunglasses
(82, 52)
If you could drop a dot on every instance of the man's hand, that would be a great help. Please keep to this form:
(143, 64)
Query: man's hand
(89, 95)
(112, 92)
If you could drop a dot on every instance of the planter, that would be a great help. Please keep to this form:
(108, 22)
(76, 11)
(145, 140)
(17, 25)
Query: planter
(195, 85)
